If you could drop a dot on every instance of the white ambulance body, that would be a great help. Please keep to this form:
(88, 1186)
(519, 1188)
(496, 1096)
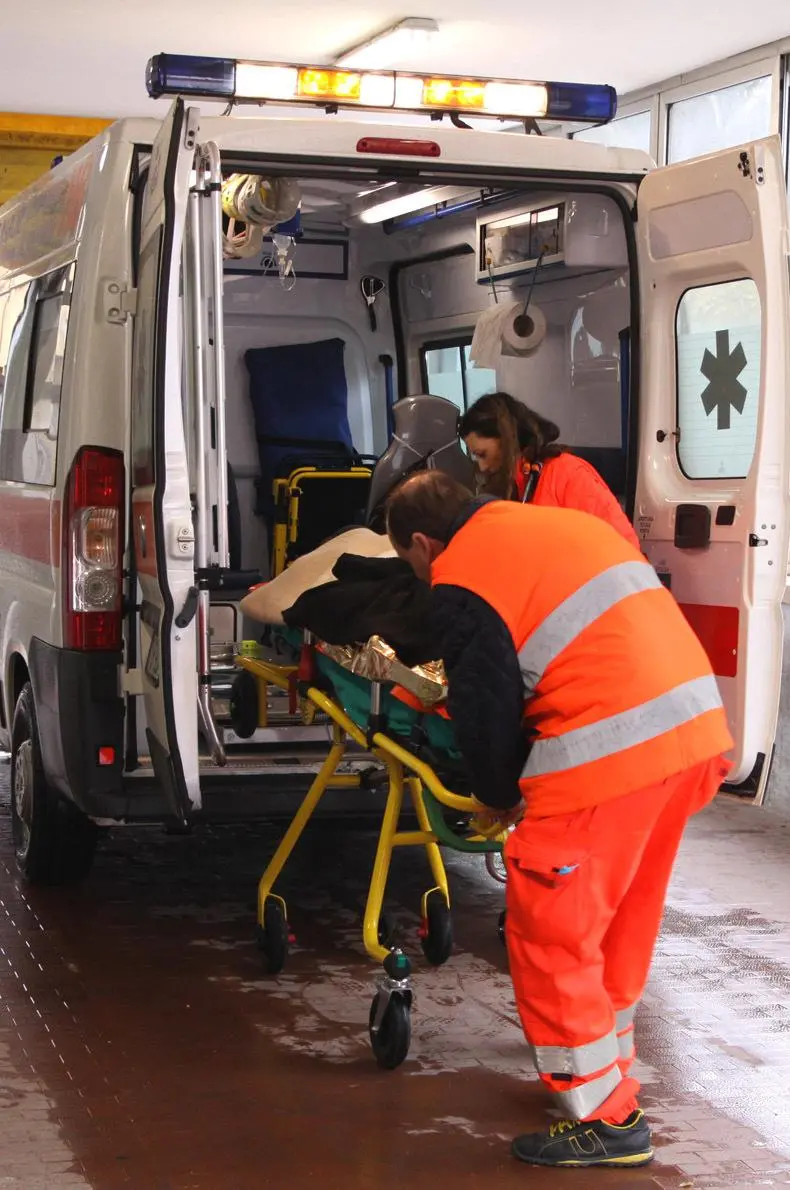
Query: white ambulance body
(123, 396)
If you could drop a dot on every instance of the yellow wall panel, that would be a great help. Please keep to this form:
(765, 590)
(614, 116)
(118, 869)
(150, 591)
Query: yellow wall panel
(28, 144)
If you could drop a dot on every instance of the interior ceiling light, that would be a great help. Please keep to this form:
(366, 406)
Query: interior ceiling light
(406, 203)
(392, 47)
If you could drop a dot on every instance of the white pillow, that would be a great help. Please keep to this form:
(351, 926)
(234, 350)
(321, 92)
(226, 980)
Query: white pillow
(268, 602)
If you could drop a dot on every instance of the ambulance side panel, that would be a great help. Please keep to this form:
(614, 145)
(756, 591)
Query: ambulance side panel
(78, 696)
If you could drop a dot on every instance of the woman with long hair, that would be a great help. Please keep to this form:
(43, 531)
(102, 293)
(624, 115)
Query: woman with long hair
(518, 458)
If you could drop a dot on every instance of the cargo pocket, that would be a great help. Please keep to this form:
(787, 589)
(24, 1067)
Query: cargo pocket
(545, 889)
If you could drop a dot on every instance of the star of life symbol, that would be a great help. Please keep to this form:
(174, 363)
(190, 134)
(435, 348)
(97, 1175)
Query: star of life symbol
(724, 391)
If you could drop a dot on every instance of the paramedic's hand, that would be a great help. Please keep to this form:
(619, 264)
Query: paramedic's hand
(488, 817)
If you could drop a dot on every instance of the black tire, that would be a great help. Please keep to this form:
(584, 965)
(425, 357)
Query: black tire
(437, 940)
(391, 1043)
(273, 937)
(54, 843)
(501, 927)
(244, 705)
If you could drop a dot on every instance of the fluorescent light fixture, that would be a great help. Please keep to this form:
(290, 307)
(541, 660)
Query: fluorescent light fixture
(392, 47)
(406, 203)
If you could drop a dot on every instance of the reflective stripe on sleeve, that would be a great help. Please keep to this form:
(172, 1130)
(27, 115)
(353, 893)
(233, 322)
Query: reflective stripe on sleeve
(577, 612)
(651, 719)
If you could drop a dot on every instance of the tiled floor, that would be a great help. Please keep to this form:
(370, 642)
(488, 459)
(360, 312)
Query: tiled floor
(140, 1046)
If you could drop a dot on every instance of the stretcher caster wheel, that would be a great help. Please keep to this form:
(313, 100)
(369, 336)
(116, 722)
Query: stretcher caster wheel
(244, 705)
(501, 927)
(273, 936)
(390, 1036)
(436, 935)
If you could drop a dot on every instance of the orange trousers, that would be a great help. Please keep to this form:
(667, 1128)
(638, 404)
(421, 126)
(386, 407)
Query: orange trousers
(585, 897)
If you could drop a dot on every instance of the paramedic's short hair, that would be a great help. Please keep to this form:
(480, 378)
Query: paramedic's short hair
(428, 503)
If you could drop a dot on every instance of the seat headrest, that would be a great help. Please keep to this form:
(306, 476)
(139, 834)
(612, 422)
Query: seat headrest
(425, 437)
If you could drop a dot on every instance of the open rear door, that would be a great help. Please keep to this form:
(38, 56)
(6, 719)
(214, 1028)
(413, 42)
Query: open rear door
(712, 486)
(161, 510)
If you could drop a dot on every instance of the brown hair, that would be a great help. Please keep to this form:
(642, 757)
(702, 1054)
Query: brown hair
(428, 503)
(522, 433)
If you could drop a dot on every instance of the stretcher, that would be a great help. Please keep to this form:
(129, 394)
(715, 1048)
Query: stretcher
(364, 714)
(313, 502)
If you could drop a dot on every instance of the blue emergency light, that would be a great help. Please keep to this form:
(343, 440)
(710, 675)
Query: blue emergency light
(239, 81)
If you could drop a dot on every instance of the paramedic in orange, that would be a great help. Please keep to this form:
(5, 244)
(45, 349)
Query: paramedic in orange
(518, 458)
(583, 701)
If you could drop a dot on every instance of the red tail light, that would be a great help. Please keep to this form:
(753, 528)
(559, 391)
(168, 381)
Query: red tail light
(93, 550)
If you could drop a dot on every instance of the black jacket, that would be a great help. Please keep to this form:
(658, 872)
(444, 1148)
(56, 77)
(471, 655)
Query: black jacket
(372, 597)
(485, 688)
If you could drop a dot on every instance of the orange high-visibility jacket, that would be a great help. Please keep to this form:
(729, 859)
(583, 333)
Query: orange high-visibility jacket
(567, 481)
(618, 692)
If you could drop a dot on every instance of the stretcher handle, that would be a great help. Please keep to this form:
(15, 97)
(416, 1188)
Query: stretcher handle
(455, 801)
(475, 844)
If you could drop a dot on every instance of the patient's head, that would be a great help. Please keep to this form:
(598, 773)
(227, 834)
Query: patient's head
(420, 516)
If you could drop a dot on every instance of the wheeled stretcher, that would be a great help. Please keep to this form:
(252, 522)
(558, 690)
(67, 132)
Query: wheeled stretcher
(409, 751)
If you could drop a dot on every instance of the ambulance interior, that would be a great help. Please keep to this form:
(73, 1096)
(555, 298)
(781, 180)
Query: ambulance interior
(377, 286)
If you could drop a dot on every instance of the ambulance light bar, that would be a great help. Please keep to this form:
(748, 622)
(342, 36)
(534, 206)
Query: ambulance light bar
(240, 81)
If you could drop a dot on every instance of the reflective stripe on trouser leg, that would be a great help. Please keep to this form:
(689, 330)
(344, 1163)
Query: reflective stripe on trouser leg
(579, 1061)
(625, 1035)
(581, 1102)
(595, 1062)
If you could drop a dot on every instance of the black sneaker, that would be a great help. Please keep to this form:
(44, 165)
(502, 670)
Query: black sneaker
(570, 1143)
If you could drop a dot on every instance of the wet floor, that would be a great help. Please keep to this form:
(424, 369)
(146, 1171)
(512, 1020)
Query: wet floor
(140, 1045)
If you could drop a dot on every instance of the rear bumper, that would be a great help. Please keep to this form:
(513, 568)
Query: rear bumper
(79, 711)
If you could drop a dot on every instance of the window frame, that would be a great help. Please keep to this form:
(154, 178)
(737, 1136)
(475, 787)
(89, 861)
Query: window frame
(459, 342)
(54, 283)
(767, 67)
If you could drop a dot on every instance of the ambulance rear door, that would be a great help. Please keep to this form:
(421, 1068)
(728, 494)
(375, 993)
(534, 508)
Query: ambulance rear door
(714, 464)
(161, 510)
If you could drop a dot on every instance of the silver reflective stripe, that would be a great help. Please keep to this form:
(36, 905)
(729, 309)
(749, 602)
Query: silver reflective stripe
(583, 1101)
(625, 1044)
(578, 1060)
(577, 612)
(624, 1019)
(652, 719)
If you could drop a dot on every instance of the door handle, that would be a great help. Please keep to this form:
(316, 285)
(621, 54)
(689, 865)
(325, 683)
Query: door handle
(187, 613)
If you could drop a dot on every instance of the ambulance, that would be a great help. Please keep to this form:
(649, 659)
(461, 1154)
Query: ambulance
(165, 284)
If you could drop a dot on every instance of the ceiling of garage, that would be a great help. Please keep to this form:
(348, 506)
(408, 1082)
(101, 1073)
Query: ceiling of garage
(87, 57)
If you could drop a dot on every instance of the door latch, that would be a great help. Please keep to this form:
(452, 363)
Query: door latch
(754, 540)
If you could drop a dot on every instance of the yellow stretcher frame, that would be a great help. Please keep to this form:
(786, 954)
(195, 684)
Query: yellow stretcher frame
(287, 492)
(405, 772)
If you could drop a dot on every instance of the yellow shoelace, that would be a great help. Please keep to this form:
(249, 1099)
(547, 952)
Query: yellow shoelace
(562, 1126)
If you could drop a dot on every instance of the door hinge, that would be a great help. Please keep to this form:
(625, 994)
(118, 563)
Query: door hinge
(119, 301)
(132, 682)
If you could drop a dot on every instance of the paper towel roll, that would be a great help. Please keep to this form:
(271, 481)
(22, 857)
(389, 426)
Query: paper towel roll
(506, 330)
(522, 334)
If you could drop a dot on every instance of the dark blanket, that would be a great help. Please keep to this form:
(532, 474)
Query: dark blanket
(372, 597)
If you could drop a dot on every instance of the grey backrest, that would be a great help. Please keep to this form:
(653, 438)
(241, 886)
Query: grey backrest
(425, 438)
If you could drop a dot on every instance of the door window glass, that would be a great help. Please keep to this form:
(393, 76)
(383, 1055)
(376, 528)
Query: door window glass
(718, 331)
(449, 372)
(719, 119)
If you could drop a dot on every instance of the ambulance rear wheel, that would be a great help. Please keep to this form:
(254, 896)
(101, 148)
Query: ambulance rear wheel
(54, 843)
(390, 1042)
(273, 937)
(437, 930)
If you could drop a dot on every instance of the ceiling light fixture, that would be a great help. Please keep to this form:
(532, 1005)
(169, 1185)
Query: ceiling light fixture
(392, 47)
(406, 203)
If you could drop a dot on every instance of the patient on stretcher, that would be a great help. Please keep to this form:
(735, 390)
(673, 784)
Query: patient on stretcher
(372, 618)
